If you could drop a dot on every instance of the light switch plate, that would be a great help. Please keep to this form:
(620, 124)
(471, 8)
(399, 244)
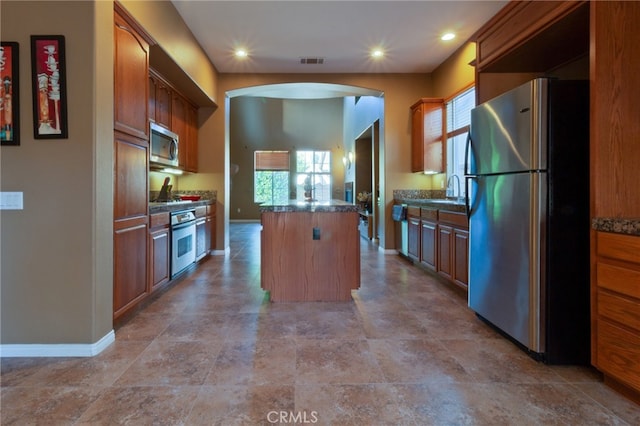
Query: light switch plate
(10, 200)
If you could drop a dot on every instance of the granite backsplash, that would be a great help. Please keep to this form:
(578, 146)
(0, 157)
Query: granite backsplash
(616, 225)
(418, 194)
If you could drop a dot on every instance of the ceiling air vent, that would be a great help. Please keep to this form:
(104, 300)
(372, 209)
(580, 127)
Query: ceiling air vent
(312, 61)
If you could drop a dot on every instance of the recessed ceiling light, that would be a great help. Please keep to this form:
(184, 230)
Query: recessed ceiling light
(377, 53)
(241, 53)
(447, 36)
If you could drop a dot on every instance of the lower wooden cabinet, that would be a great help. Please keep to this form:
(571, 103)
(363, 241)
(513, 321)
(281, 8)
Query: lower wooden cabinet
(130, 221)
(616, 311)
(413, 233)
(159, 250)
(428, 243)
(309, 256)
(445, 244)
(454, 247)
(439, 240)
(130, 264)
(460, 261)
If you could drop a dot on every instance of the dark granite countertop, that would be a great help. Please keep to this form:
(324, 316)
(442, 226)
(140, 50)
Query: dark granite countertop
(333, 206)
(435, 203)
(617, 225)
(174, 206)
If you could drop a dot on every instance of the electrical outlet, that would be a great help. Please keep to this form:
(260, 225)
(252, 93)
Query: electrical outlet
(441, 184)
(238, 209)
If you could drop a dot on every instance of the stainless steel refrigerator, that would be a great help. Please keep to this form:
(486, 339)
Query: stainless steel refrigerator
(527, 177)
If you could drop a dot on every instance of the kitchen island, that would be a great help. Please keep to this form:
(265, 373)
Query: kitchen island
(310, 251)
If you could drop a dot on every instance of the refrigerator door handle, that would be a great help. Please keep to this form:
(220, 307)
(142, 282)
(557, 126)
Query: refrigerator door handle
(467, 148)
(467, 199)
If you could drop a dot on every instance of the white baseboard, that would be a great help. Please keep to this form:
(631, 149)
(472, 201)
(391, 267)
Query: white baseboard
(57, 350)
(221, 252)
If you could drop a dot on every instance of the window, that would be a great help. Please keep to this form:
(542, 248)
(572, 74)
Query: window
(271, 177)
(458, 112)
(313, 170)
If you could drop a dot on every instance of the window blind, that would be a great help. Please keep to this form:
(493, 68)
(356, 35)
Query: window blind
(272, 160)
(459, 112)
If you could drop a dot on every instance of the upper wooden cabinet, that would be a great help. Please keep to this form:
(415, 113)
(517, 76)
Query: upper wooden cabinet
(530, 39)
(615, 128)
(131, 68)
(179, 125)
(520, 36)
(184, 124)
(131, 163)
(191, 156)
(160, 99)
(427, 135)
(174, 111)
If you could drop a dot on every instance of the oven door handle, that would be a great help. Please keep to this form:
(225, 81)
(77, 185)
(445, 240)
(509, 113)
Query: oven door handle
(183, 225)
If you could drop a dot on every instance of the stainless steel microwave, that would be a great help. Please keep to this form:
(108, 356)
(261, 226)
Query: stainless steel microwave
(164, 146)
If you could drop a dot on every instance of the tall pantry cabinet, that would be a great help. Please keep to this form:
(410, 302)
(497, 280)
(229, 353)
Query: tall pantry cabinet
(131, 153)
(615, 160)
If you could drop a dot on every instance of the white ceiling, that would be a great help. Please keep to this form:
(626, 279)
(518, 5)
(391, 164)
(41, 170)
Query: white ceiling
(278, 33)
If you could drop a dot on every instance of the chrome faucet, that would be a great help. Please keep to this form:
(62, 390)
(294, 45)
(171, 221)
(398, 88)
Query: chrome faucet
(450, 190)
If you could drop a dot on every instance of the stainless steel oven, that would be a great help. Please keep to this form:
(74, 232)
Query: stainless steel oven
(183, 240)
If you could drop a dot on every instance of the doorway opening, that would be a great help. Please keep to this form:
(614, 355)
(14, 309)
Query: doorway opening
(367, 147)
(293, 117)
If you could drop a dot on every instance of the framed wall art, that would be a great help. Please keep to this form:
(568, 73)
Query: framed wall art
(48, 79)
(9, 98)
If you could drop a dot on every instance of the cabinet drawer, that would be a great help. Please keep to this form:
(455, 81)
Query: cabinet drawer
(158, 219)
(413, 211)
(427, 213)
(618, 279)
(618, 353)
(618, 246)
(454, 218)
(620, 309)
(211, 209)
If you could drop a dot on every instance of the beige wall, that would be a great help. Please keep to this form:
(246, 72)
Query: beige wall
(56, 270)
(56, 253)
(258, 123)
(455, 73)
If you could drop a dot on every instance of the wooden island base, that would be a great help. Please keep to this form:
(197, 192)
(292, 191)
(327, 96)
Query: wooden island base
(310, 255)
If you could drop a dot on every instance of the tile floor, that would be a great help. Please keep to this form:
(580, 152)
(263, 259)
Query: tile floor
(212, 350)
